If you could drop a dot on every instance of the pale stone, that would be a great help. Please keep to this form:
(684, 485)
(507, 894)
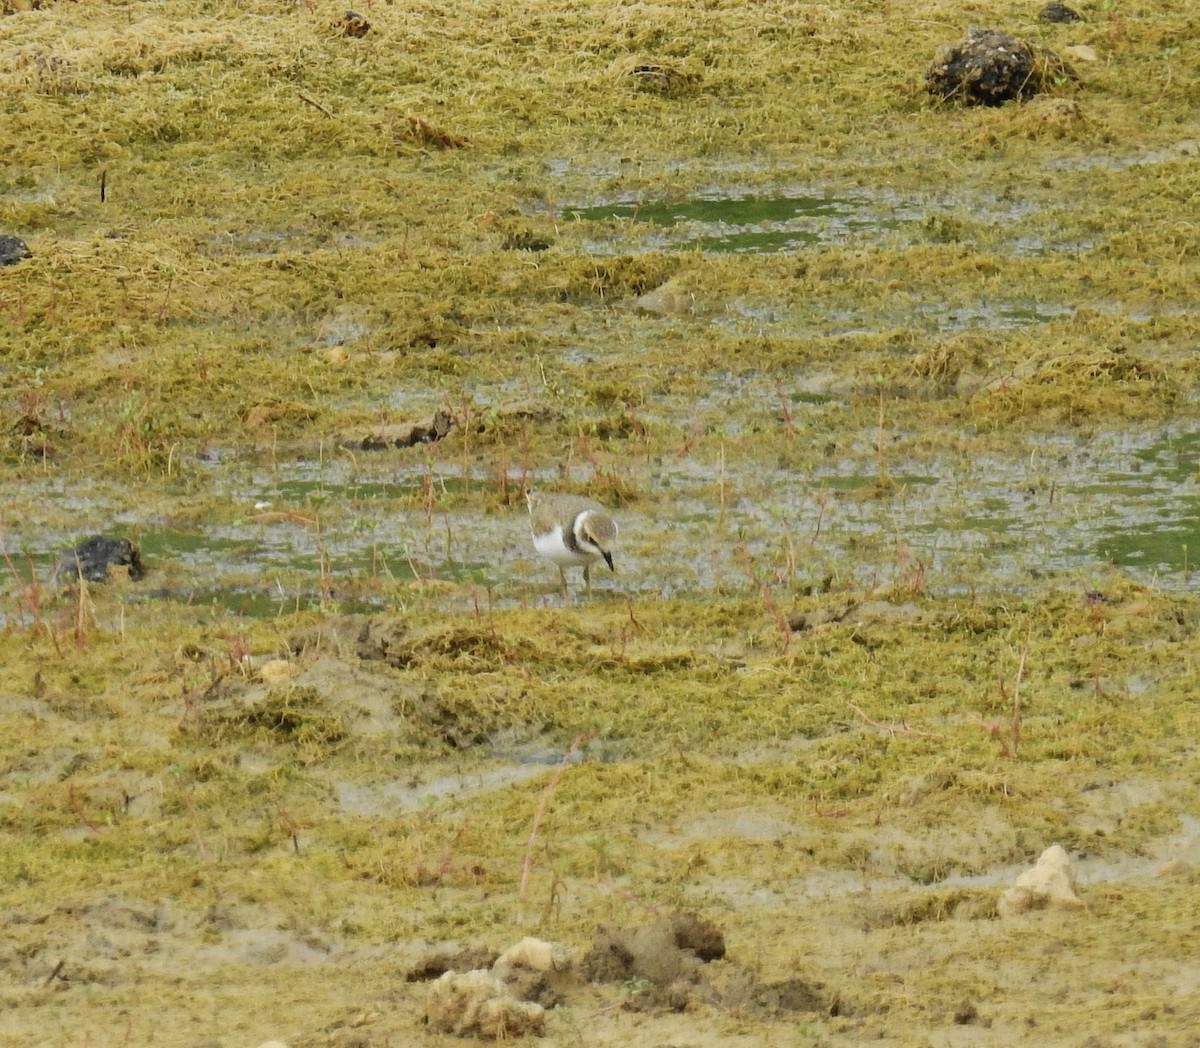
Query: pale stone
(1048, 885)
(1081, 53)
(534, 954)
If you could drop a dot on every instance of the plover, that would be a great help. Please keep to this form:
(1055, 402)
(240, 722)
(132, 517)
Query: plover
(572, 531)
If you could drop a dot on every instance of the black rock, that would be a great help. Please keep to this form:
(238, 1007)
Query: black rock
(94, 556)
(13, 250)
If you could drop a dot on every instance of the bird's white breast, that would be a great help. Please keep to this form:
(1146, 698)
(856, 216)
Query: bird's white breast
(550, 544)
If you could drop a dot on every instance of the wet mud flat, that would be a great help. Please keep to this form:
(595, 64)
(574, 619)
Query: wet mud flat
(883, 730)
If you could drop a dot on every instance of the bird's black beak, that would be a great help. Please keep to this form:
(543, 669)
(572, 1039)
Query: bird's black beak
(608, 559)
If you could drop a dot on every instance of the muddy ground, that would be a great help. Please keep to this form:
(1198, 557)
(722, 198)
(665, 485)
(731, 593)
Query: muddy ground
(894, 399)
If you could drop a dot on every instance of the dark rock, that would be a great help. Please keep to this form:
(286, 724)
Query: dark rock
(93, 557)
(1056, 12)
(13, 250)
(989, 67)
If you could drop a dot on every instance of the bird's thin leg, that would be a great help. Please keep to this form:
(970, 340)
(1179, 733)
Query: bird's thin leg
(587, 578)
(563, 575)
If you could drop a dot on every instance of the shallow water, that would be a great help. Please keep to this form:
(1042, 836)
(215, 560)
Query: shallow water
(303, 532)
(729, 219)
(740, 224)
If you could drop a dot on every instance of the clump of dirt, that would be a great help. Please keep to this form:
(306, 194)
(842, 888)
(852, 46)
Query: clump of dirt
(414, 130)
(357, 662)
(1048, 885)
(525, 239)
(673, 964)
(347, 636)
(989, 67)
(495, 423)
(298, 714)
(676, 296)
(609, 279)
(669, 964)
(666, 955)
(536, 970)
(1048, 117)
(1076, 385)
(506, 1001)
(743, 992)
(466, 646)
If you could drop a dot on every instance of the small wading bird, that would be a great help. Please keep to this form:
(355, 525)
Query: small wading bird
(572, 531)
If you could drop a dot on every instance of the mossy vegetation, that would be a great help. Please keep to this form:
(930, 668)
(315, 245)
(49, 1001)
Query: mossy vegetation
(265, 246)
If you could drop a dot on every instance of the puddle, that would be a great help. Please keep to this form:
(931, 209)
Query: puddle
(868, 482)
(1154, 517)
(731, 220)
(1183, 150)
(746, 224)
(998, 316)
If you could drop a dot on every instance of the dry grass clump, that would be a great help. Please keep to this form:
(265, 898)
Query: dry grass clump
(942, 367)
(1072, 387)
(1055, 118)
(476, 648)
(610, 279)
(50, 75)
(76, 61)
(294, 714)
